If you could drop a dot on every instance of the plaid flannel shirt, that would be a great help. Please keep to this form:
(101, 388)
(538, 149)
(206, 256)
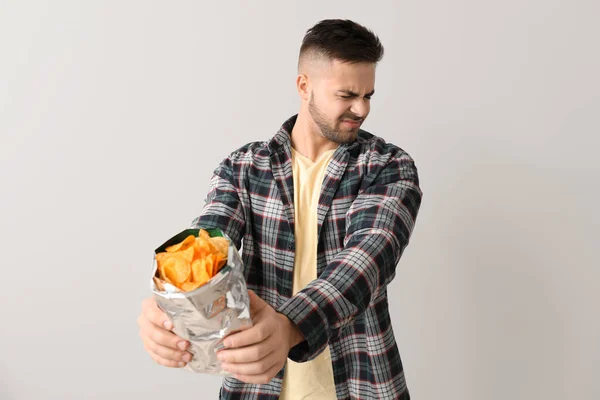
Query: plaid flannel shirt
(367, 209)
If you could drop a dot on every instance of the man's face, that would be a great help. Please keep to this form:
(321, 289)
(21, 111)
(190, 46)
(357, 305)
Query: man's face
(339, 102)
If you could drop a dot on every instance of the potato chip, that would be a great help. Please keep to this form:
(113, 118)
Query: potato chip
(210, 263)
(203, 235)
(187, 254)
(161, 257)
(218, 262)
(221, 244)
(159, 284)
(177, 270)
(192, 262)
(188, 241)
(201, 270)
(160, 260)
(198, 268)
(203, 247)
(189, 286)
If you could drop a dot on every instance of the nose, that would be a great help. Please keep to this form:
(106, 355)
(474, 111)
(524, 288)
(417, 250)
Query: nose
(361, 107)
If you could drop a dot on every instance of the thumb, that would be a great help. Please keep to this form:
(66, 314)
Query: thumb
(256, 303)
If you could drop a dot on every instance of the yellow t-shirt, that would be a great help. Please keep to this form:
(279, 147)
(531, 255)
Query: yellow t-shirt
(311, 380)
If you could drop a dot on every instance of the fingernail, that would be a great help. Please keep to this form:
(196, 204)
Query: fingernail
(187, 357)
(227, 343)
(182, 345)
(168, 325)
(220, 356)
(181, 364)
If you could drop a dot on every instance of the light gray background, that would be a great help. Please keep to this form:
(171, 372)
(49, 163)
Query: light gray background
(114, 114)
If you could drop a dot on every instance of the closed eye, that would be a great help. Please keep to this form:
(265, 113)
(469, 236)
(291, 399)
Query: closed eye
(351, 95)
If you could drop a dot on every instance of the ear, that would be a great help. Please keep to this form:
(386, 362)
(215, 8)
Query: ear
(302, 85)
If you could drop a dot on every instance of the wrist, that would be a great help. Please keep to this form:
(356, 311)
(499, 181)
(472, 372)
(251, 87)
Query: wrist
(295, 336)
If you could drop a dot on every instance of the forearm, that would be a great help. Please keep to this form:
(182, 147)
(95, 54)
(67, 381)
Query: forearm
(223, 208)
(342, 293)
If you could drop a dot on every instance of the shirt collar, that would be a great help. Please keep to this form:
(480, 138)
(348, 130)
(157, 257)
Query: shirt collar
(282, 138)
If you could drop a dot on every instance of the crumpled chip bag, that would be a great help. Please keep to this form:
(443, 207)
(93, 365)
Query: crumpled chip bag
(198, 282)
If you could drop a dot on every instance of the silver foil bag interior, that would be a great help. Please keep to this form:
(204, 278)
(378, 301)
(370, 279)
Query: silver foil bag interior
(206, 315)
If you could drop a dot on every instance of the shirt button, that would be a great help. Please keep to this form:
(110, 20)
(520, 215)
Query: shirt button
(291, 246)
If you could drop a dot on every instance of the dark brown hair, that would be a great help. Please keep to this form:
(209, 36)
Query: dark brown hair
(342, 40)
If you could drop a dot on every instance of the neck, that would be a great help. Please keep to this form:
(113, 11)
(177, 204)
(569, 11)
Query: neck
(307, 138)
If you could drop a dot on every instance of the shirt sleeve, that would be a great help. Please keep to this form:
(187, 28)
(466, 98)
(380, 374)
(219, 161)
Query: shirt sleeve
(379, 224)
(222, 208)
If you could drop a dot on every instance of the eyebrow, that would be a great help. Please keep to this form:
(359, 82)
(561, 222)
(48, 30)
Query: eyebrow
(351, 93)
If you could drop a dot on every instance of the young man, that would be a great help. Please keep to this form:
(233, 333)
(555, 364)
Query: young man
(324, 210)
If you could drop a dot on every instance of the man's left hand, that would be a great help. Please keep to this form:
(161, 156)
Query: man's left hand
(257, 354)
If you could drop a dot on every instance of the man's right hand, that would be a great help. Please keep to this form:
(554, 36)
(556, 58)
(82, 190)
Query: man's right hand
(164, 346)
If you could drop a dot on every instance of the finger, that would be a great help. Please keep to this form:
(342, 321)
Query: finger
(221, 344)
(155, 315)
(261, 379)
(249, 337)
(252, 368)
(256, 303)
(162, 336)
(167, 363)
(164, 352)
(240, 329)
(245, 354)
